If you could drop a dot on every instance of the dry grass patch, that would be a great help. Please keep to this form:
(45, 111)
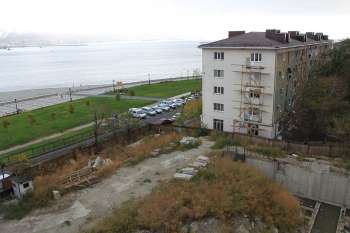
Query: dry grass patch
(225, 190)
(119, 156)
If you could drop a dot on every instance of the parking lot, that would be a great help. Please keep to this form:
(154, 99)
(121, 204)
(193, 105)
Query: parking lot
(163, 112)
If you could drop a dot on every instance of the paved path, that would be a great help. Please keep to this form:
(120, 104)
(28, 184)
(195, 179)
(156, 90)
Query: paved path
(56, 135)
(127, 97)
(79, 210)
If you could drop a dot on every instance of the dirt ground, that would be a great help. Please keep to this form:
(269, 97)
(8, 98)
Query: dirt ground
(79, 210)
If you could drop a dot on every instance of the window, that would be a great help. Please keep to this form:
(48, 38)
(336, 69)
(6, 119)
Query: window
(253, 111)
(255, 57)
(281, 75)
(218, 73)
(219, 90)
(218, 107)
(219, 55)
(281, 91)
(253, 130)
(252, 114)
(254, 93)
(25, 185)
(218, 125)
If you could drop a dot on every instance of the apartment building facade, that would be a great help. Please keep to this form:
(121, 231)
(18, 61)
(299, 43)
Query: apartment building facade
(250, 79)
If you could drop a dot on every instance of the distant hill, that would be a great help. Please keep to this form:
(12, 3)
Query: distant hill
(14, 39)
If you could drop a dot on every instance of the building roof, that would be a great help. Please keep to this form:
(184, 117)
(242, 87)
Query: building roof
(257, 40)
(4, 176)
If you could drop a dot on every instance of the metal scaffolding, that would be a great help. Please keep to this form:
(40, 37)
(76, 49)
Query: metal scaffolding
(252, 92)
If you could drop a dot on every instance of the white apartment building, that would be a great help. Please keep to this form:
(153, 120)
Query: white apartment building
(250, 79)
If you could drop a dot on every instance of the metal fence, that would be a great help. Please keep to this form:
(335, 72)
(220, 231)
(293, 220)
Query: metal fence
(32, 152)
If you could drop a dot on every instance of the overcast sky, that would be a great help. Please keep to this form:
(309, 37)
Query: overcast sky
(174, 19)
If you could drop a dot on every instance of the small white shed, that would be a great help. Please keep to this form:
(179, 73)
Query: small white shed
(5, 183)
(21, 185)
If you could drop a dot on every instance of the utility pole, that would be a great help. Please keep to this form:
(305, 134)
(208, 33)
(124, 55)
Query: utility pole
(149, 79)
(17, 111)
(70, 95)
(113, 85)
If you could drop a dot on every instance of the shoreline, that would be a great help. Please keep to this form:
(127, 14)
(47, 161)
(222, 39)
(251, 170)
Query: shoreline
(31, 99)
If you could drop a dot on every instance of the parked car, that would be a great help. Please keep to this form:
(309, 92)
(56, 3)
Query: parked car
(178, 102)
(173, 106)
(157, 109)
(164, 107)
(131, 110)
(165, 121)
(138, 113)
(149, 111)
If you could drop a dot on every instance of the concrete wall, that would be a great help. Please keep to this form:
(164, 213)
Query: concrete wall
(309, 179)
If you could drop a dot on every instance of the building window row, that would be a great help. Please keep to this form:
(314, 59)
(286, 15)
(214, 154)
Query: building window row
(219, 90)
(218, 107)
(218, 73)
(218, 124)
(255, 57)
(219, 55)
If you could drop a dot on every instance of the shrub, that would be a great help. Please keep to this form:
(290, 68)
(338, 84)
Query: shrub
(200, 132)
(267, 150)
(5, 124)
(31, 119)
(71, 109)
(87, 103)
(131, 92)
(189, 146)
(222, 141)
(53, 116)
(117, 97)
(123, 220)
(18, 209)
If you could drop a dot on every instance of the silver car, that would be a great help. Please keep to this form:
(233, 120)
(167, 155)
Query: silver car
(149, 111)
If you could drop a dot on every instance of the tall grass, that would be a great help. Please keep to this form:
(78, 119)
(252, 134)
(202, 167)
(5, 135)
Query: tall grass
(226, 189)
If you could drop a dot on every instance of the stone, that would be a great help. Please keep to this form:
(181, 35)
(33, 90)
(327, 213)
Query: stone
(242, 229)
(188, 140)
(56, 194)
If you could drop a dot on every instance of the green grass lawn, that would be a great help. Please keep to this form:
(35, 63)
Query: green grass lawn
(167, 89)
(45, 145)
(57, 118)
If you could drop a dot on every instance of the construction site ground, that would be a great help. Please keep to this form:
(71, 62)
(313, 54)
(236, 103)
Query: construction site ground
(77, 211)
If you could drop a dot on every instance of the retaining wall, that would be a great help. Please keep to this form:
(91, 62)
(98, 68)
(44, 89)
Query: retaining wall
(310, 179)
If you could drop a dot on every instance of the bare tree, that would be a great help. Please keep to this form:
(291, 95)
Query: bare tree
(98, 120)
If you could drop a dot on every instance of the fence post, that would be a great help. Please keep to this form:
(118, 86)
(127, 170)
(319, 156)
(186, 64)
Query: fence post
(16, 105)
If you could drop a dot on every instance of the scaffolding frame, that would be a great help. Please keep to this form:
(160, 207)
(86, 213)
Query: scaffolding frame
(252, 93)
